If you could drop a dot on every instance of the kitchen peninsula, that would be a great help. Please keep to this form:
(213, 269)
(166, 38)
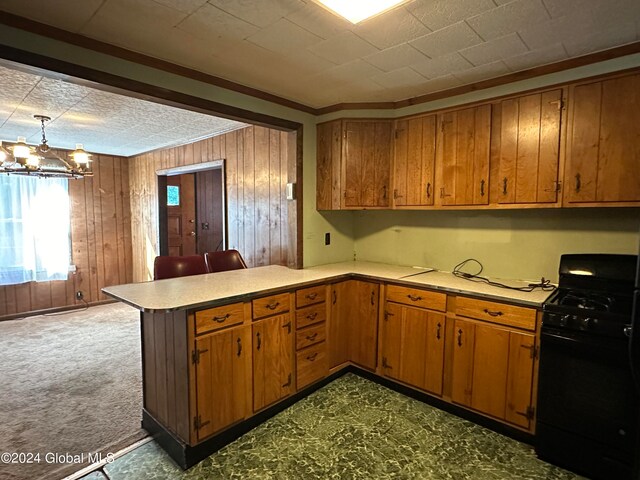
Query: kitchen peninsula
(222, 352)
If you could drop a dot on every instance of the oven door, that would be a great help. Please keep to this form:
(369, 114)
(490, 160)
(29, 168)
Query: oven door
(587, 409)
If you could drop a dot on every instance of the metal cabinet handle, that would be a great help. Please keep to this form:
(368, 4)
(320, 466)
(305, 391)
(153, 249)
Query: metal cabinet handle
(414, 298)
(259, 340)
(312, 337)
(239, 346)
(312, 316)
(273, 306)
(578, 183)
(438, 330)
(384, 192)
(460, 337)
(373, 296)
(493, 313)
(222, 318)
(287, 326)
(482, 188)
(311, 358)
(288, 382)
(428, 190)
(335, 297)
(504, 186)
(311, 296)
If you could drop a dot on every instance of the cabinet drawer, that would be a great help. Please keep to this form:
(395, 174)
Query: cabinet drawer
(494, 312)
(310, 335)
(311, 364)
(216, 318)
(310, 315)
(417, 298)
(266, 306)
(309, 296)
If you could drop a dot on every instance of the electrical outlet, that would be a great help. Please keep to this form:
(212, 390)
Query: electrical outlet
(79, 295)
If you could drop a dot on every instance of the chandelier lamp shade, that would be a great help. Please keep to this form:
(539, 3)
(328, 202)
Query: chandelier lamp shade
(40, 161)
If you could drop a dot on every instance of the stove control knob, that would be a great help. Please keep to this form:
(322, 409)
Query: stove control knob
(586, 323)
(564, 320)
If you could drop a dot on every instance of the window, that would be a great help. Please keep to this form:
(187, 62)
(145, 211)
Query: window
(173, 196)
(34, 229)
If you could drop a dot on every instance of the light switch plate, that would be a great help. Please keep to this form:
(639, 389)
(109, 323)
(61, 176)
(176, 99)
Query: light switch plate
(290, 191)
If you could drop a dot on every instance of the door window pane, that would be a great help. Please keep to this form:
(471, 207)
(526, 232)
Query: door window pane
(173, 196)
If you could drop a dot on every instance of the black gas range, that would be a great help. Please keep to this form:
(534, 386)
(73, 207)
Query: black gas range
(587, 418)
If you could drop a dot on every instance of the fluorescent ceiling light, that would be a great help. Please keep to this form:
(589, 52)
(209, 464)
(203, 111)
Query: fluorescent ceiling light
(357, 10)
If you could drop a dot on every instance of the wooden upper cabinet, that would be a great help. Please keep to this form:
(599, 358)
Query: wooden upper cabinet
(366, 163)
(328, 155)
(603, 142)
(353, 164)
(526, 138)
(463, 156)
(414, 161)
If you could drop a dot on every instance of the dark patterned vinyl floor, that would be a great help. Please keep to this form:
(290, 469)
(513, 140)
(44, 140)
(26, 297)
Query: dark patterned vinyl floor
(353, 429)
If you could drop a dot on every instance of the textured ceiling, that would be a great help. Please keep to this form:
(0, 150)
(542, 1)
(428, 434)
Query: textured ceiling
(103, 122)
(298, 50)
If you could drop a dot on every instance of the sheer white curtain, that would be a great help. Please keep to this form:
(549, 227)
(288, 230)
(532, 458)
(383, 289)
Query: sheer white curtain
(34, 229)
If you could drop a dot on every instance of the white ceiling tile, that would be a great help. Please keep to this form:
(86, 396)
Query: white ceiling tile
(535, 58)
(508, 18)
(259, 12)
(284, 37)
(395, 57)
(319, 21)
(343, 48)
(209, 23)
(442, 83)
(186, 6)
(441, 66)
(401, 77)
(437, 14)
(483, 72)
(69, 15)
(447, 40)
(496, 49)
(392, 28)
(622, 34)
(353, 71)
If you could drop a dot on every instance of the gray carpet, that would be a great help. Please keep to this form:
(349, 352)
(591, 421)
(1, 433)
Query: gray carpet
(69, 384)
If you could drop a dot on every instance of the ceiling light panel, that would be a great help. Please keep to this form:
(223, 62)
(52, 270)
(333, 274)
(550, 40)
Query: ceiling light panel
(358, 10)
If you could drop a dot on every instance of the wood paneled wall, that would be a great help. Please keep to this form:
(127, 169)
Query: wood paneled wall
(256, 161)
(100, 242)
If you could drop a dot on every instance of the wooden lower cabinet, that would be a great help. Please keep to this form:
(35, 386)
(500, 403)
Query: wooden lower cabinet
(493, 370)
(353, 325)
(413, 347)
(223, 380)
(272, 360)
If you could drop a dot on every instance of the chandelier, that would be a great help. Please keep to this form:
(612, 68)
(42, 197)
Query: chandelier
(41, 161)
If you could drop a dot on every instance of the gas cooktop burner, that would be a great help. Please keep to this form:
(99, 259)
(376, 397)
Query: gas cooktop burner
(588, 301)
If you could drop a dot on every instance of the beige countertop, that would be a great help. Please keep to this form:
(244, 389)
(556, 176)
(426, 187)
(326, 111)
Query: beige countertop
(216, 288)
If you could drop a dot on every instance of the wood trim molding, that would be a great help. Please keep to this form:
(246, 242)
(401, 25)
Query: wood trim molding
(125, 86)
(125, 54)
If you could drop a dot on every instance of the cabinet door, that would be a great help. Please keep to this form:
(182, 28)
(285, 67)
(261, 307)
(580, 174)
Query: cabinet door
(603, 144)
(366, 162)
(392, 336)
(328, 156)
(434, 360)
(272, 360)
(338, 333)
(363, 323)
(529, 148)
(462, 376)
(463, 156)
(223, 380)
(491, 363)
(520, 379)
(414, 161)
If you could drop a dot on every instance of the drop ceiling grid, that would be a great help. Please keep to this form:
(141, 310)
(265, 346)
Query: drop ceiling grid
(279, 45)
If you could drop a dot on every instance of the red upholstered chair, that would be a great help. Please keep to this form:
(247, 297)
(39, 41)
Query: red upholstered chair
(168, 266)
(224, 260)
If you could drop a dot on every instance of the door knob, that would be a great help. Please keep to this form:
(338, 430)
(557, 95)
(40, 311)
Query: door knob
(193, 234)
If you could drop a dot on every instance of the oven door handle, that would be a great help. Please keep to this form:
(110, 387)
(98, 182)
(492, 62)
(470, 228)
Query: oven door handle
(579, 341)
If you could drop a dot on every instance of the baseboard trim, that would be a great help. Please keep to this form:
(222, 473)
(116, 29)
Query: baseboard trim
(47, 311)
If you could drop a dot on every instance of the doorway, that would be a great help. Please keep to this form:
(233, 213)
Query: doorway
(192, 210)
